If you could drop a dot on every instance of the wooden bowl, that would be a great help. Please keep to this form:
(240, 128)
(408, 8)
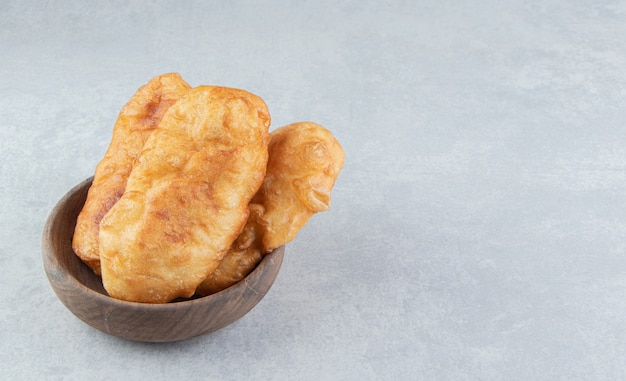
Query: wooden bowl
(81, 291)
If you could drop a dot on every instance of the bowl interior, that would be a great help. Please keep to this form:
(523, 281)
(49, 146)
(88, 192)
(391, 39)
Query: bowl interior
(60, 240)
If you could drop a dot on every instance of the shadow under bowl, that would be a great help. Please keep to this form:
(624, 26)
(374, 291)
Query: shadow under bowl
(81, 291)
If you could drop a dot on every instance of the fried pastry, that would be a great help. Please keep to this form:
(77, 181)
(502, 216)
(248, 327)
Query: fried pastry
(186, 199)
(136, 121)
(304, 162)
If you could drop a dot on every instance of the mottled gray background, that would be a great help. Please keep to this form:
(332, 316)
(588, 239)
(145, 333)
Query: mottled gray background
(477, 231)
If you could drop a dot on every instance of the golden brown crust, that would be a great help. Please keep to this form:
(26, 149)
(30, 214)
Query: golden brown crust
(136, 121)
(243, 256)
(304, 162)
(187, 198)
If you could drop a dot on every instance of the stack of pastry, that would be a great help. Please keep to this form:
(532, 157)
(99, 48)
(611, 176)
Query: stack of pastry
(193, 191)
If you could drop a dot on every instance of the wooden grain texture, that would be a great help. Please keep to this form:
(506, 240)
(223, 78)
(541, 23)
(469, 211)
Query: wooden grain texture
(81, 291)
